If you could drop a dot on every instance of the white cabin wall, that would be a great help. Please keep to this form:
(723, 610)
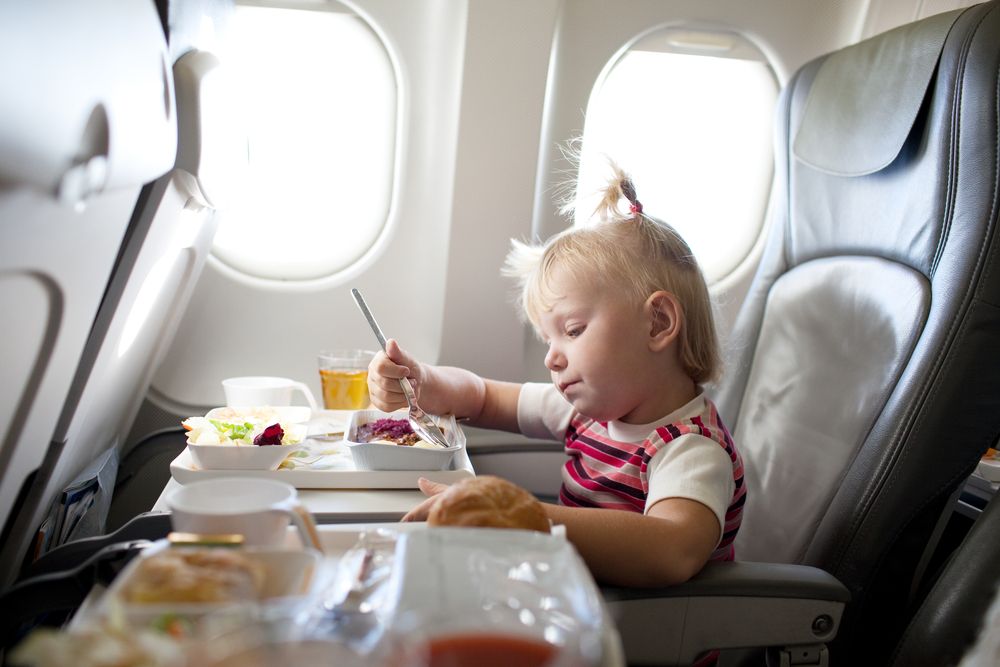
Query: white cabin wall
(507, 59)
(887, 14)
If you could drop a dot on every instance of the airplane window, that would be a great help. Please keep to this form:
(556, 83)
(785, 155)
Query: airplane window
(317, 92)
(689, 114)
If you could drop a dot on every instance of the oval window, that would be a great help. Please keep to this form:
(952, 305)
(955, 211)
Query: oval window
(689, 115)
(318, 98)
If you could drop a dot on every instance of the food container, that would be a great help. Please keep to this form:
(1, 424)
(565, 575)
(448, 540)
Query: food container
(240, 457)
(248, 456)
(477, 596)
(382, 456)
(290, 579)
(286, 414)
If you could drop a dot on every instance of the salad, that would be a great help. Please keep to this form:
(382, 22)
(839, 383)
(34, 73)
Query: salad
(240, 431)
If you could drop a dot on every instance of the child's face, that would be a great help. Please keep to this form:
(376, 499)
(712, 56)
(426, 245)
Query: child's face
(599, 355)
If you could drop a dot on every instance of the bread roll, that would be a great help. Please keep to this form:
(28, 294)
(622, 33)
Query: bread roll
(195, 575)
(489, 502)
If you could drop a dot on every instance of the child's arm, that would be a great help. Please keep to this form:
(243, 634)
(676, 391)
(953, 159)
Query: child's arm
(666, 546)
(442, 390)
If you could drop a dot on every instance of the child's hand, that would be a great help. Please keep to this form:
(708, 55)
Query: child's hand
(430, 489)
(384, 373)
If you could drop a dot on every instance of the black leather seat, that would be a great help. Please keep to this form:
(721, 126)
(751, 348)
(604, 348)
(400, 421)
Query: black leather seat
(953, 615)
(865, 374)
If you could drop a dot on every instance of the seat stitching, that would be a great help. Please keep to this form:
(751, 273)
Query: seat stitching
(906, 424)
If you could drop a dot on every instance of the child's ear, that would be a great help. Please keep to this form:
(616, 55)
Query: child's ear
(665, 317)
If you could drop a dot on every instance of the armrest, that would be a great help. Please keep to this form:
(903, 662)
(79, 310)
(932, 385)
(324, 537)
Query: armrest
(766, 604)
(149, 526)
(48, 596)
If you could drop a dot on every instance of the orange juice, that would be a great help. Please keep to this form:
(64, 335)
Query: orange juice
(344, 388)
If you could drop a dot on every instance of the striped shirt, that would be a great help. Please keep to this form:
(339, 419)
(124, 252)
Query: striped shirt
(689, 453)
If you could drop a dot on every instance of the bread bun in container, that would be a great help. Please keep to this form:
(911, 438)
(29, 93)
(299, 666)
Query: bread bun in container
(195, 575)
(488, 502)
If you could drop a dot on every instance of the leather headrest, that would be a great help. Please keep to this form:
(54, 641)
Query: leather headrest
(865, 98)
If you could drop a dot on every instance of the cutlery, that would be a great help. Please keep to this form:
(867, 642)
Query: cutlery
(419, 420)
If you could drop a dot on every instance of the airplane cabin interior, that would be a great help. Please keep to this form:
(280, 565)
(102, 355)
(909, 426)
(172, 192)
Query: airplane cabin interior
(191, 189)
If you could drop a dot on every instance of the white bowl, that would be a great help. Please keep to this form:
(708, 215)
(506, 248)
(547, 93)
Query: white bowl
(245, 457)
(382, 456)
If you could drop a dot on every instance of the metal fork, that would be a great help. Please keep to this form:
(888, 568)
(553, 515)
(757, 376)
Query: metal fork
(419, 420)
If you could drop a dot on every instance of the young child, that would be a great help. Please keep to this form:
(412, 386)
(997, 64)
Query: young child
(653, 488)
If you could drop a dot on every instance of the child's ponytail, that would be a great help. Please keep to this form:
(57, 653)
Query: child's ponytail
(619, 187)
(628, 190)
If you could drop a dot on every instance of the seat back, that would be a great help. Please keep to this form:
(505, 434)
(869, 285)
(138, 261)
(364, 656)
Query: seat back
(864, 380)
(959, 615)
(88, 106)
(157, 265)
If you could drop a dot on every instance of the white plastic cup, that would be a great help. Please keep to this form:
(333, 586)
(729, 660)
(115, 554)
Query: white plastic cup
(250, 391)
(259, 509)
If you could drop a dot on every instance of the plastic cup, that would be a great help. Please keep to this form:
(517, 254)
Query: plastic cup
(343, 374)
(259, 509)
(260, 390)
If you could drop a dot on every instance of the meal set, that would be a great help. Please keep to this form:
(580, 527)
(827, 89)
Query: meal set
(252, 434)
(233, 586)
(352, 449)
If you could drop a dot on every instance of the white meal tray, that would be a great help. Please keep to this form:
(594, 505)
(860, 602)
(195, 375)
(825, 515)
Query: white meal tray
(332, 468)
(326, 463)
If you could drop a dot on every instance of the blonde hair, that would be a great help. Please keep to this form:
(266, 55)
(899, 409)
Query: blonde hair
(633, 253)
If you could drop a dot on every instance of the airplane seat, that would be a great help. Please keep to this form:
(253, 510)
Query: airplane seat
(88, 106)
(210, 161)
(143, 473)
(535, 465)
(151, 268)
(953, 614)
(864, 378)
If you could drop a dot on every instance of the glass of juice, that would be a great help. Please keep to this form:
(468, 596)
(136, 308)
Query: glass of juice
(343, 375)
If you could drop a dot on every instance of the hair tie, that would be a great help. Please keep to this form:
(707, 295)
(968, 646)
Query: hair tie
(628, 190)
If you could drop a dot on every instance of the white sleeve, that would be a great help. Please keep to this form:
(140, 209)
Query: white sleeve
(542, 412)
(694, 467)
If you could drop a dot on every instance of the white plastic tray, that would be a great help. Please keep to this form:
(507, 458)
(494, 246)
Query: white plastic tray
(321, 463)
(338, 471)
